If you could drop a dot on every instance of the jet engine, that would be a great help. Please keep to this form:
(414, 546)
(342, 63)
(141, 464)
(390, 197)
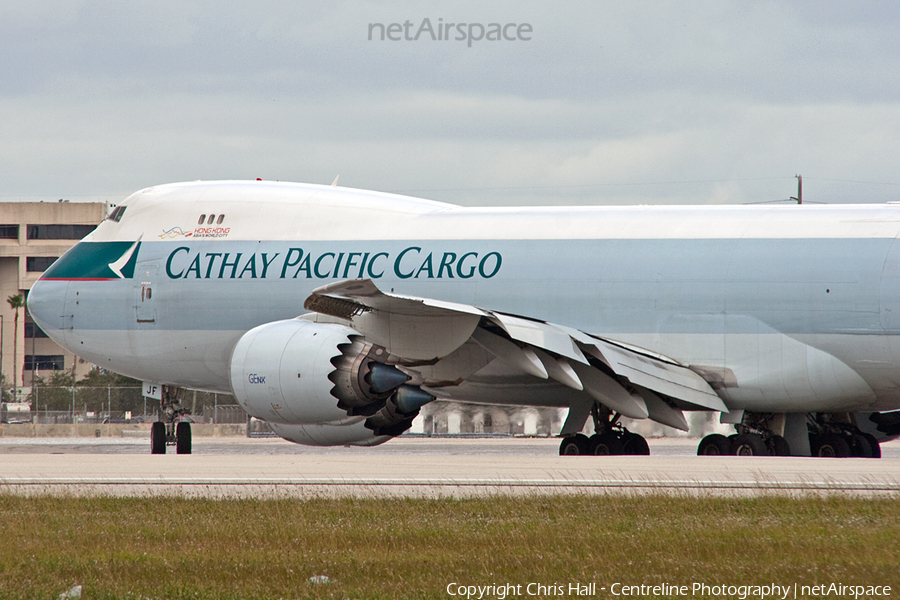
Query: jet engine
(352, 434)
(322, 384)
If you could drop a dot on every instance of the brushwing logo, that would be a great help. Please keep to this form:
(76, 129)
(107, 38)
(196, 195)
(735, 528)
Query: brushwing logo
(124, 261)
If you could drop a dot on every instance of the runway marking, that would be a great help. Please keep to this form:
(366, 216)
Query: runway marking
(11, 483)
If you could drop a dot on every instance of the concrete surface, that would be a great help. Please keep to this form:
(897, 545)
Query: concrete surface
(419, 467)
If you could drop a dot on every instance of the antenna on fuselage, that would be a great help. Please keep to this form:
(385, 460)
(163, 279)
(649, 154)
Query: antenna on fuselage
(334, 183)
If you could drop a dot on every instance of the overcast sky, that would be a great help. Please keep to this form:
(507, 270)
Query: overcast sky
(606, 103)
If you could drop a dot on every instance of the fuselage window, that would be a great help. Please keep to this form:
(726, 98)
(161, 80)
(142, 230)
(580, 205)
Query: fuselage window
(221, 218)
(210, 220)
(202, 219)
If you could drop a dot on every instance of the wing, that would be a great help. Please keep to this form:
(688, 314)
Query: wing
(470, 353)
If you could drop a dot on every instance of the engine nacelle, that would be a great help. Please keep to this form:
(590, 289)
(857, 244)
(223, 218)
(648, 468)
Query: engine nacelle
(279, 371)
(352, 434)
(296, 372)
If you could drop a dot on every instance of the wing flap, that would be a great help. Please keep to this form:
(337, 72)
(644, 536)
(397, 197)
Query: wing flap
(421, 328)
(610, 392)
(523, 358)
(559, 369)
(657, 375)
(662, 412)
(541, 335)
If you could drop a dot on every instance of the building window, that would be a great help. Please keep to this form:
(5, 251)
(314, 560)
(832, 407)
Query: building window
(33, 331)
(59, 232)
(38, 264)
(45, 362)
(9, 232)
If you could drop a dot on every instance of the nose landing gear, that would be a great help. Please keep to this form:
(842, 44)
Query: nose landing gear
(171, 429)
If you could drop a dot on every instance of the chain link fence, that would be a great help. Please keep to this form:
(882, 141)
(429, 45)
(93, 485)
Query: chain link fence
(112, 404)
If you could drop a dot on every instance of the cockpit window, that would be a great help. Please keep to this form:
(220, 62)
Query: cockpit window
(116, 214)
(202, 219)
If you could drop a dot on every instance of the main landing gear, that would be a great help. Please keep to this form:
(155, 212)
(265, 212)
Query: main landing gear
(758, 434)
(170, 430)
(744, 444)
(835, 435)
(611, 438)
(830, 435)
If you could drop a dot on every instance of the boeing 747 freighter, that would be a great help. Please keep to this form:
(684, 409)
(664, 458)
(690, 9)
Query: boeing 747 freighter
(335, 314)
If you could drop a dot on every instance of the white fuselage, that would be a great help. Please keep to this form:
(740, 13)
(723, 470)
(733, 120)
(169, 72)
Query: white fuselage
(785, 309)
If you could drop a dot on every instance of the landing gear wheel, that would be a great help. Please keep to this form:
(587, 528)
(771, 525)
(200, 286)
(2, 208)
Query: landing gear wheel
(158, 438)
(606, 444)
(859, 446)
(577, 445)
(183, 438)
(830, 446)
(778, 446)
(715, 444)
(635, 445)
(874, 446)
(749, 444)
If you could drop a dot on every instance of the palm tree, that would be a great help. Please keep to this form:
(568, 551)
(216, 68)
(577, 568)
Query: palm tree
(16, 302)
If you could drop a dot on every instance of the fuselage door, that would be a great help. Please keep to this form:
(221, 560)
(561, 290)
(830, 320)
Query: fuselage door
(145, 305)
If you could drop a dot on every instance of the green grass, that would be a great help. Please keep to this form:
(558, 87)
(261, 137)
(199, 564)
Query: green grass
(413, 548)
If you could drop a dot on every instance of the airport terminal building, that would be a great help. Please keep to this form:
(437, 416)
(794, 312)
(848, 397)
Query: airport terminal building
(32, 236)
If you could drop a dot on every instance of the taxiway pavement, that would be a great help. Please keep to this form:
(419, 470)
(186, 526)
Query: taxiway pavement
(421, 467)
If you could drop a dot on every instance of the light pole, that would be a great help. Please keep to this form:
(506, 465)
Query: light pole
(33, 365)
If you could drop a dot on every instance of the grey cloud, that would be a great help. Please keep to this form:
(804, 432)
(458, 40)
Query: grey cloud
(609, 102)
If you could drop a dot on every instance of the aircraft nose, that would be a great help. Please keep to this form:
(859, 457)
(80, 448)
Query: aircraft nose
(46, 301)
